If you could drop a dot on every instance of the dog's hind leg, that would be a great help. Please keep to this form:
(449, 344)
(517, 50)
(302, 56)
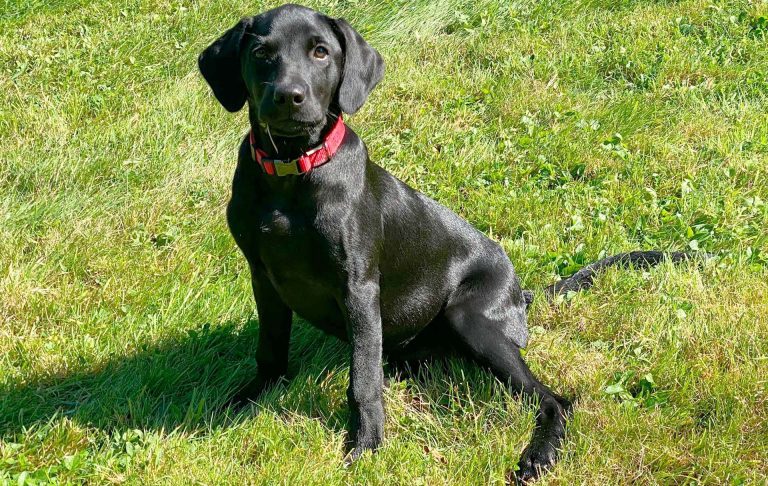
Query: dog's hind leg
(431, 344)
(488, 342)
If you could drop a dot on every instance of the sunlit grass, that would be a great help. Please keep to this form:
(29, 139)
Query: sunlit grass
(565, 130)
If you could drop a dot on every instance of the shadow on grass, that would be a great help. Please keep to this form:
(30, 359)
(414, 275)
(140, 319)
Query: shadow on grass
(181, 383)
(184, 384)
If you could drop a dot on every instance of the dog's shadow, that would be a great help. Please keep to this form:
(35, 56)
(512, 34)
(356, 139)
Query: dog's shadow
(181, 383)
(185, 382)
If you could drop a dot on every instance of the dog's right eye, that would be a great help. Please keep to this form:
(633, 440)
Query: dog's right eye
(259, 52)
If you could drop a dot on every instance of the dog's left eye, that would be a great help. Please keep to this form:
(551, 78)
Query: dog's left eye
(320, 52)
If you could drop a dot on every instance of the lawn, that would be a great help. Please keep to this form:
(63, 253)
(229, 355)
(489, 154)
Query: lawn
(564, 130)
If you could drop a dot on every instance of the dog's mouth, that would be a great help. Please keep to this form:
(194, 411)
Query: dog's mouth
(287, 132)
(288, 128)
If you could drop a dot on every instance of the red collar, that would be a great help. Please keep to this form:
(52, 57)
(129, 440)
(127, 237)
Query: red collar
(308, 160)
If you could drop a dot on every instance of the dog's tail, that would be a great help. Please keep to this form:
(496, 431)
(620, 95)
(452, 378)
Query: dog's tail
(584, 278)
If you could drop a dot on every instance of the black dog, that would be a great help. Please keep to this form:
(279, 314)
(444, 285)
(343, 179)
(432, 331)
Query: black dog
(349, 247)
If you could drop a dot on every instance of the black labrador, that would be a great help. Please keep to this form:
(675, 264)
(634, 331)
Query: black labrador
(336, 239)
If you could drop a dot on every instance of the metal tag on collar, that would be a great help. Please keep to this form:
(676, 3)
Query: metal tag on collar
(320, 147)
(324, 148)
(286, 167)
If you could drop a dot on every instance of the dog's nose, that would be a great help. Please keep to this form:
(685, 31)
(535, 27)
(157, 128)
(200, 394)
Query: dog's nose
(291, 93)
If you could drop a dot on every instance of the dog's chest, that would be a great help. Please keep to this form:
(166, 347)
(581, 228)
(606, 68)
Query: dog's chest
(296, 252)
(256, 224)
(290, 241)
(281, 224)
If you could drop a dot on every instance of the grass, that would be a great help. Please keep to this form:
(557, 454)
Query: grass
(564, 130)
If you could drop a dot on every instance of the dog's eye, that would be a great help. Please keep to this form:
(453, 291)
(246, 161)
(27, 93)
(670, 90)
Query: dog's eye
(259, 52)
(320, 52)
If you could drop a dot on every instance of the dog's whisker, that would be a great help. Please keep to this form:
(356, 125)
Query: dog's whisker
(269, 134)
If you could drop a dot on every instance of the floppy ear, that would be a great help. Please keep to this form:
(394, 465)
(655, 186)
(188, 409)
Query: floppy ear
(363, 68)
(220, 66)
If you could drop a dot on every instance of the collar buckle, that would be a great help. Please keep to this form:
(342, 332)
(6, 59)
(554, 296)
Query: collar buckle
(286, 167)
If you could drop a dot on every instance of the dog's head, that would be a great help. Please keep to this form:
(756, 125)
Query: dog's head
(293, 65)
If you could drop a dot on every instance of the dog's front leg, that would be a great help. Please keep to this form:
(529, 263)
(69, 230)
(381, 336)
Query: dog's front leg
(366, 378)
(274, 335)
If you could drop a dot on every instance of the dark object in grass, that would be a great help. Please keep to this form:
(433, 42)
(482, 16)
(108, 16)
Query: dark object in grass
(349, 247)
(582, 280)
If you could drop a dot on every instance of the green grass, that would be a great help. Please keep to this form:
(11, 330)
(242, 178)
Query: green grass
(126, 318)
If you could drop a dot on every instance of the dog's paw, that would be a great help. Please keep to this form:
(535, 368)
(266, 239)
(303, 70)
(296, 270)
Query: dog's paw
(357, 449)
(352, 456)
(249, 393)
(534, 461)
(239, 401)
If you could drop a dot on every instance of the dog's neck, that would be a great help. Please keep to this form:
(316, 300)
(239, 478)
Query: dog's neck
(290, 147)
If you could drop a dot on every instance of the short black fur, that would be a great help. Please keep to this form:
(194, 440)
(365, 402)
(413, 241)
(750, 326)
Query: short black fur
(349, 247)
